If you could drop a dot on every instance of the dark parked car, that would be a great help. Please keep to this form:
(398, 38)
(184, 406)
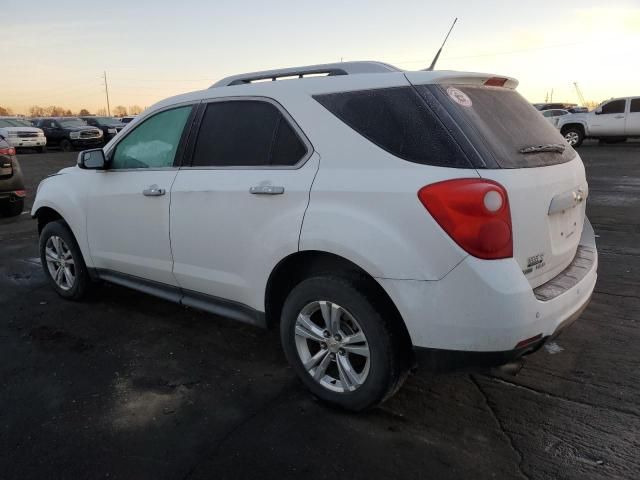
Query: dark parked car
(554, 106)
(69, 133)
(12, 190)
(110, 126)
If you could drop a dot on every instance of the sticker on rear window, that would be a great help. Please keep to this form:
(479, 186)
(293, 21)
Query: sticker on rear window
(459, 97)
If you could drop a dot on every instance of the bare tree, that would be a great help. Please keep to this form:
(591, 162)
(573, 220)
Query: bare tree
(5, 111)
(101, 112)
(36, 111)
(120, 111)
(135, 110)
(83, 112)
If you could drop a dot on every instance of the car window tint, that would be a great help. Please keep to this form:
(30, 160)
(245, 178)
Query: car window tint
(246, 133)
(398, 121)
(153, 143)
(617, 106)
(635, 105)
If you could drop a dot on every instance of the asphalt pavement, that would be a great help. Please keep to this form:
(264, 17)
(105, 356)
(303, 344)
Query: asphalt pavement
(128, 386)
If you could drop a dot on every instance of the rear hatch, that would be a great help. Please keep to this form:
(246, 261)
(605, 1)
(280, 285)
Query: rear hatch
(543, 176)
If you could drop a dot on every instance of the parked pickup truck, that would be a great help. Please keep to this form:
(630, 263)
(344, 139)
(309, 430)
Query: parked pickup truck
(614, 120)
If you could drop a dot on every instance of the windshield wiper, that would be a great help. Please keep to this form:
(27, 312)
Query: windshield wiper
(551, 147)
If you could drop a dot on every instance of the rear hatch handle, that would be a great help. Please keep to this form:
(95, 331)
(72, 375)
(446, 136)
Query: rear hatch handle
(565, 201)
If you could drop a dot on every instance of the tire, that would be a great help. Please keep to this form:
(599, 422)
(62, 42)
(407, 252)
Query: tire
(65, 145)
(573, 136)
(70, 251)
(13, 209)
(42, 149)
(377, 376)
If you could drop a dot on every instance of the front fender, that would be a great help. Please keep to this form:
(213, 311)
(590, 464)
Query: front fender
(57, 194)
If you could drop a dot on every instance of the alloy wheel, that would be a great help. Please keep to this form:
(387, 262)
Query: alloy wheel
(572, 138)
(332, 347)
(60, 262)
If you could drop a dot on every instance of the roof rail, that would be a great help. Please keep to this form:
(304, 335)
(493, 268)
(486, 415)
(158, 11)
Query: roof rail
(329, 69)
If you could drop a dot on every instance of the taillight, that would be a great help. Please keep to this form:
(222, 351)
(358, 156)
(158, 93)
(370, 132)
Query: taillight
(20, 193)
(7, 151)
(475, 214)
(495, 82)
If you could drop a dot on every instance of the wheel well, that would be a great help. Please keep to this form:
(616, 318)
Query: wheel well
(578, 126)
(300, 265)
(46, 215)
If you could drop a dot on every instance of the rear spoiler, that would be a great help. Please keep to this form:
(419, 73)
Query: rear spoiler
(462, 78)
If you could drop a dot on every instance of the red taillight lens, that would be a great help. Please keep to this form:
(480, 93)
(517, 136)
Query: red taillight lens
(20, 193)
(495, 82)
(7, 151)
(474, 213)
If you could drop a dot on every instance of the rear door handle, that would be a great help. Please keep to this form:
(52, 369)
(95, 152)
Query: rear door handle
(153, 191)
(266, 190)
(619, 116)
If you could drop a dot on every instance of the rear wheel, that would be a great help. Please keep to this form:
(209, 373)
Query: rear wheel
(62, 261)
(574, 137)
(340, 344)
(65, 145)
(13, 209)
(42, 149)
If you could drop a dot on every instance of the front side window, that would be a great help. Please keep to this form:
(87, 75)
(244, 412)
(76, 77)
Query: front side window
(635, 105)
(153, 143)
(617, 106)
(246, 133)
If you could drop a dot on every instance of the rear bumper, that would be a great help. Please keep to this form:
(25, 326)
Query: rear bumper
(436, 360)
(488, 306)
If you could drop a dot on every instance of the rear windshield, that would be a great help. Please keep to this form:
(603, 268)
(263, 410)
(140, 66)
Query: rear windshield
(399, 121)
(503, 122)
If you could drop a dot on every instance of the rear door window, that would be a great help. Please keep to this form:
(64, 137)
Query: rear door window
(398, 121)
(502, 123)
(246, 133)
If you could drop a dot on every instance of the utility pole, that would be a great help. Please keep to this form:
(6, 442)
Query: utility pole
(551, 100)
(106, 91)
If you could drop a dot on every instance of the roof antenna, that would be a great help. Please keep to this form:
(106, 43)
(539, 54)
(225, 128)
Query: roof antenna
(435, 59)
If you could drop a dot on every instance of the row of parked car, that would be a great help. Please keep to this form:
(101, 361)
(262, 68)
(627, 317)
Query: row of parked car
(612, 121)
(67, 133)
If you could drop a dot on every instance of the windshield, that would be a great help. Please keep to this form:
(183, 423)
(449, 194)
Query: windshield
(14, 122)
(505, 124)
(108, 121)
(72, 122)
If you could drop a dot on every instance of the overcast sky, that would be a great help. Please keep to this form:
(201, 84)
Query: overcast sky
(54, 52)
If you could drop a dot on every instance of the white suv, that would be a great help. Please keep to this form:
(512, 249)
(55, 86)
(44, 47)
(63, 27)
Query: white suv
(377, 216)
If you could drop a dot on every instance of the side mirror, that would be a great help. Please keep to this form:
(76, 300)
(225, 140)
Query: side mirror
(92, 159)
(598, 111)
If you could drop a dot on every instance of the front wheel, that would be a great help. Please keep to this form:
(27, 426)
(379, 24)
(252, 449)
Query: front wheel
(574, 137)
(65, 145)
(62, 261)
(338, 341)
(15, 208)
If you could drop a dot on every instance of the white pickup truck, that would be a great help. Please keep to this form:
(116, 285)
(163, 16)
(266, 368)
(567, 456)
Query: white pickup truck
(614, 120)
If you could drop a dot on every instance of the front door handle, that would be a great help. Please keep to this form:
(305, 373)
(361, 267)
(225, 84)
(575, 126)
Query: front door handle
(619, 116)
(153, 191)
(266, 190)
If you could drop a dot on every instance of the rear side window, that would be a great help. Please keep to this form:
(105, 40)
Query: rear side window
(398, 121)
(635, 105)
(246, 133)
(617, 106)
(500, 122)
